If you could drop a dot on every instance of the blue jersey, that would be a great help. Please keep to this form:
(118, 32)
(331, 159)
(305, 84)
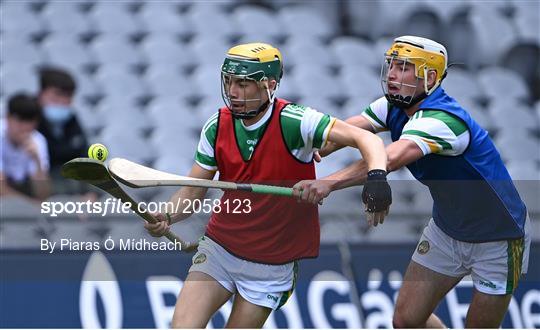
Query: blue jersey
(474, 198)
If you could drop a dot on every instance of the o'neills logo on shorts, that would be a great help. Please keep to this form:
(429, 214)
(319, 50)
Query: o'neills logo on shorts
(199, 259)
(423, 247)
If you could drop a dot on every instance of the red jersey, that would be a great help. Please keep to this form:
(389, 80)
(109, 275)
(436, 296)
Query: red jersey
(278, 229)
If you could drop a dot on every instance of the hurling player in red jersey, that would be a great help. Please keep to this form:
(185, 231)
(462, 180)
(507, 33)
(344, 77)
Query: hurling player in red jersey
(252, 243)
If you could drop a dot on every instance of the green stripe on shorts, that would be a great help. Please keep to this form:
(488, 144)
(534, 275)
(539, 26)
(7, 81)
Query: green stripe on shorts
(515, 258)
(286, 295)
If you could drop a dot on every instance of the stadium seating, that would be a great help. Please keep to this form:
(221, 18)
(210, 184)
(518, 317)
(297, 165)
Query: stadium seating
(148, 79)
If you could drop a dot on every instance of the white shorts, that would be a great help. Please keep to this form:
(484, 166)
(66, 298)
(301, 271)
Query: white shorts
(495, 267)
(260, 284)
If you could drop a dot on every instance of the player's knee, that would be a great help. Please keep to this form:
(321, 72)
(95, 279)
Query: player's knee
(403, 320)
(182, 320)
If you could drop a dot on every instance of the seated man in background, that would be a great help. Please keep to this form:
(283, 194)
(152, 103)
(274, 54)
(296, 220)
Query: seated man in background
(24, 161)
(65, 138)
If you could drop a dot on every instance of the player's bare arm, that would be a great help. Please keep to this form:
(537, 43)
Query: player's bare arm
(400, 153)
(376, 194)
(185, 193)
(371, 146)
(357, 121)
(343, 134)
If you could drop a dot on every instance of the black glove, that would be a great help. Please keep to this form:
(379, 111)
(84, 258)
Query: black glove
(377, 194)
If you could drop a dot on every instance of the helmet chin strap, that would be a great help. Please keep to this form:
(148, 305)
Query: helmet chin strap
(404, 102)
(253, 113)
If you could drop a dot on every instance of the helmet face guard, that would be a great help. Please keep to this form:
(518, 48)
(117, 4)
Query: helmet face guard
(399, 100)
(426, 55)
(256, 63)
(259, 78)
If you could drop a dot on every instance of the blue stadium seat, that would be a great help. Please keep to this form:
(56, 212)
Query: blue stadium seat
(16, 79)
(114, 18)
(18, 19)
(513, 116)
(256, 24)
(518, 146)
(67, 51)
(168, 80)
(209, 19)
(307, 51)
(210, 50)
(492, 33)
(19, 50)
(173, 114)
(361, 81)
(479, 114)
(208, 106)
(320, 104)
(164, 17)
(134, 119)
(356, 105)
(460, 39)
(524, 170)
(502, 83)
(363, 18)
(287, 87)
(92, 120)
(127, 143)
(381, 46)
(460, 83)
(305, 22)
(352, 51)
(65, 18)
(207, 80)
(317, 82)
(121, 81)
(164, 49)
(524, 59)
(116, 49)
(527, 20)
(172, 162)
(423, 20)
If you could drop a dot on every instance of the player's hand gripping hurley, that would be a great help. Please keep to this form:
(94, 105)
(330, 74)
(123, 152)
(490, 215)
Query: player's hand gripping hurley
(135, 175)
(95, 173)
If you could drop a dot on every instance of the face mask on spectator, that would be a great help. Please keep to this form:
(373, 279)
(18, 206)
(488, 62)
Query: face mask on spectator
(57, 114)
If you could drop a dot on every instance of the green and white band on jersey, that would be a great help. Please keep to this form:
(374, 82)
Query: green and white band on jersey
(433, 131)
(305, 130)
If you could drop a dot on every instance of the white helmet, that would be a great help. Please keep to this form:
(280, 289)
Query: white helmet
(426, 55)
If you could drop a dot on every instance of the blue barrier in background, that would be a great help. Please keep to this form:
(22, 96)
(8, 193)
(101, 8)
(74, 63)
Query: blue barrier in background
(138, 289)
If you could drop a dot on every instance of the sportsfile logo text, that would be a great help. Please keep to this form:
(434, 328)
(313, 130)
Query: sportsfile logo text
(116, 206)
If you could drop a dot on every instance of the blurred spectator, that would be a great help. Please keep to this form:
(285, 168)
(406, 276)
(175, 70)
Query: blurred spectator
(60, 126)
(65, 137)
(24, 163)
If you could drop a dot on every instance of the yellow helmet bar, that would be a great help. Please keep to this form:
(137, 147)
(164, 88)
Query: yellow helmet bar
(424, 53)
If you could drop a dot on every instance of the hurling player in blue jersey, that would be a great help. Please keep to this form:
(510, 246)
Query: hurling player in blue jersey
(479, 225)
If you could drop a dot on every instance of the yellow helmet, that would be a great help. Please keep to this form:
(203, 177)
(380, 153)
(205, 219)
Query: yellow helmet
(254, 61)
(257, 62)
(425, 54)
